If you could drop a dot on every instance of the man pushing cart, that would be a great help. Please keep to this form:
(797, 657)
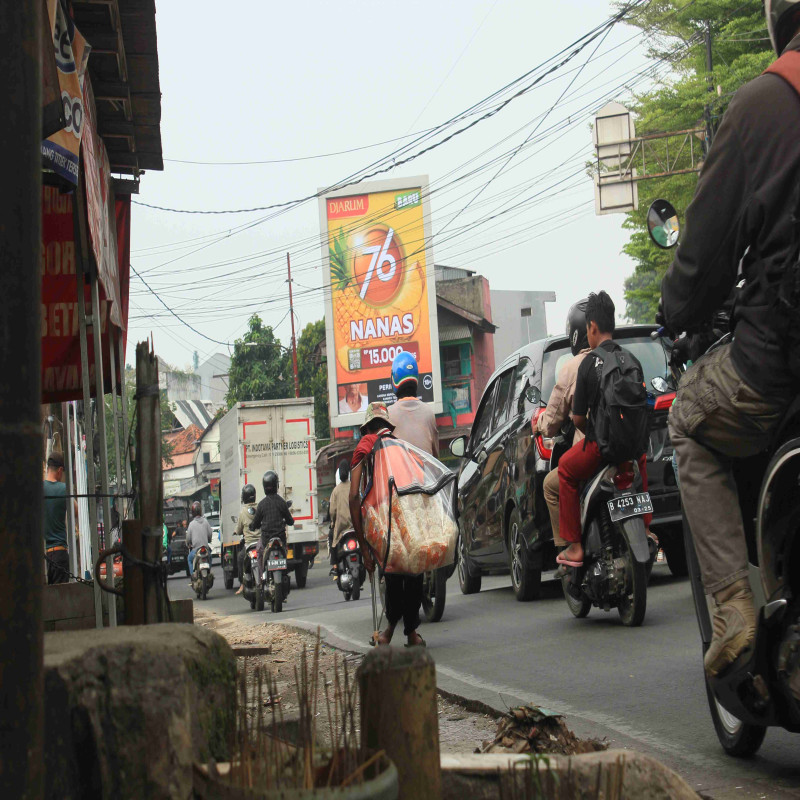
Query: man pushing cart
(402, 503)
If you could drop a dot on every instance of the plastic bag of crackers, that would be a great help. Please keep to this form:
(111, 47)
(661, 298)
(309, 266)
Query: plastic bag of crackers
(408, 508)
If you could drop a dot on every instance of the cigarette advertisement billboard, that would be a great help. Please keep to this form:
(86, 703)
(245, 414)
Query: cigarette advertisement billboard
(380, 294)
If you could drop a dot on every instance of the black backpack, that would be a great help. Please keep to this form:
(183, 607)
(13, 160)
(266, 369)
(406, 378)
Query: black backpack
(619, 417)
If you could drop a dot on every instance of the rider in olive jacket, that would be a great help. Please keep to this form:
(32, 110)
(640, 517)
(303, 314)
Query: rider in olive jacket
(739, 225)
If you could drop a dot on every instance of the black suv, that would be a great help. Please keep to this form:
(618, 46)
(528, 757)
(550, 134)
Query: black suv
(504, 525)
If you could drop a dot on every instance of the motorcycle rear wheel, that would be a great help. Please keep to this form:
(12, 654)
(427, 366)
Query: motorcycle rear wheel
(579, 608)
(356, 593)
(301, 574)
(433, 604)
(259, 597)
(633, 606)
(738, 739)
(203, 588)
(277, 598)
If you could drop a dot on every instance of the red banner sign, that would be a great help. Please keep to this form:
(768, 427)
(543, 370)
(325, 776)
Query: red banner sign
(61, 352)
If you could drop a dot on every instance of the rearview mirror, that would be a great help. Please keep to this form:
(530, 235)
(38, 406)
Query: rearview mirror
(663, 224)
(533, 395)
(660, 384)
(458, 447)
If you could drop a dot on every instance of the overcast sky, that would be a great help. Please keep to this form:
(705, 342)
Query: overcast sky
(255, 82)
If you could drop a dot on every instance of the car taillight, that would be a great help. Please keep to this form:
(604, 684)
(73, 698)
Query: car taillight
(351, 544)
(308, 549)
(623, 477)
(664, 401)
(544, 446)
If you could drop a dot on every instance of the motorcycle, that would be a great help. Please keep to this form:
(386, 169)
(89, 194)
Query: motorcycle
(202, 576)
(349, 568)
(616, 549)
(270, 583)
(761, 689)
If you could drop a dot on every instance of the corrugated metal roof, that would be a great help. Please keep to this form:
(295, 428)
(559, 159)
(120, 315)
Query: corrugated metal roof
(452, 333)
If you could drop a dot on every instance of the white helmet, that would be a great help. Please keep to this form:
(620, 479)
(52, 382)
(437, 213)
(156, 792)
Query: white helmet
(779, 18)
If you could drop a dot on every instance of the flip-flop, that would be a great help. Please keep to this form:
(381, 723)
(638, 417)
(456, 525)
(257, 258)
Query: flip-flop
(565, 563)
(422, 643)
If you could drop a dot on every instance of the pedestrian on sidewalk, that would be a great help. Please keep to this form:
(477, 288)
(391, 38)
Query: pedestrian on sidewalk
(55, 520)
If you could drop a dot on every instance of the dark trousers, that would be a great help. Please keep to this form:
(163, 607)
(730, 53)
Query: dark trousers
(579, 464)
(57, 567)
(403, 600)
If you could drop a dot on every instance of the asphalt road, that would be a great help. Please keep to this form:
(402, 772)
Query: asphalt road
(640, 688)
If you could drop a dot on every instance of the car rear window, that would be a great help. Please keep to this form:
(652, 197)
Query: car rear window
(650, 353)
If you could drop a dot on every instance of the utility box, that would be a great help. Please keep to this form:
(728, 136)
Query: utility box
(278, 435)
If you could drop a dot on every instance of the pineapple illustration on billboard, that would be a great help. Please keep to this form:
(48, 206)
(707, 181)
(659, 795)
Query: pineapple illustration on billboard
(380, 291)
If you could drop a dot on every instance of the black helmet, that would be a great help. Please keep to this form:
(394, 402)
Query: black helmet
(576, 326)
(197, 510)
(344, 470)
(270, 482)
(781, 22)
(248, 493)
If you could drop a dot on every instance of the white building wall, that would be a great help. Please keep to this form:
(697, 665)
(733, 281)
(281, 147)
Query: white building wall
(513, 328)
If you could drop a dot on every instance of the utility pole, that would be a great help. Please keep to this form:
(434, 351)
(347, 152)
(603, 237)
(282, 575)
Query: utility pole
(21, 545)
(710, 80)
(294, 341)
(151, 491)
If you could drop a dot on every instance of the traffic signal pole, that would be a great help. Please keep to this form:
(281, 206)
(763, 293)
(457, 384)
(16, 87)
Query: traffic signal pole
(294, 341)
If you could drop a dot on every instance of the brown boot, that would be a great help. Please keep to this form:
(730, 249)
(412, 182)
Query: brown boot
(734, 626)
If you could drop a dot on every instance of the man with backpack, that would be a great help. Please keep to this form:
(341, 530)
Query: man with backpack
(610, 407)
(741, 224)
(403, 592)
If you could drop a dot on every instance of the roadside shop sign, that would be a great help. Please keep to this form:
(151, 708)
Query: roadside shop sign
(61, 150)
(100, 205)
(380, 294)
(60, 330)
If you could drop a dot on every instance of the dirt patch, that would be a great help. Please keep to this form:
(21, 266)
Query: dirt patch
(460, 729)
(531, 729)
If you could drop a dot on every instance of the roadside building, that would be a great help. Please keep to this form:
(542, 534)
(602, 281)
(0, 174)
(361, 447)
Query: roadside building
(524, 319)
(184, 446)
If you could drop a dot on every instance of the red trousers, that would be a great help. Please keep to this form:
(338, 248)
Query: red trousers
(577, 465)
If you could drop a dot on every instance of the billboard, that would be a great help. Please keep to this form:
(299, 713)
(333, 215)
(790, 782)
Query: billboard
(380, 294)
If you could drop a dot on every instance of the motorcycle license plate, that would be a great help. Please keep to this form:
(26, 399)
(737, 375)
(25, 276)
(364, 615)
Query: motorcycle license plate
(290, 553)
(630, 505)
(276, 563)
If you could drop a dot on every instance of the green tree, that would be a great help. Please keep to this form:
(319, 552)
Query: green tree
(261, 367)
(312, 373)
(740, 52)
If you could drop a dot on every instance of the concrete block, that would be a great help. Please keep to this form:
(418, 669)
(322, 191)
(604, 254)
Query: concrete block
(67, 600)
(128, 710)
(477, 776)
(182, 610)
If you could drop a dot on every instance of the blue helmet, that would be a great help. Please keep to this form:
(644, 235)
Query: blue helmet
(404, 368)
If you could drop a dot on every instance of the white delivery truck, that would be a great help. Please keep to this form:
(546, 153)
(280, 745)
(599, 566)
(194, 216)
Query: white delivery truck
(261, 435)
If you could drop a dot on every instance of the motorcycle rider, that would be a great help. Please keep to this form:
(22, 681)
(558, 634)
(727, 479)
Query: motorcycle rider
(583, 460)
(272, 515)
(559, 406)
(339, 510)
(197, 534)
(246, 516)
(739, 225)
